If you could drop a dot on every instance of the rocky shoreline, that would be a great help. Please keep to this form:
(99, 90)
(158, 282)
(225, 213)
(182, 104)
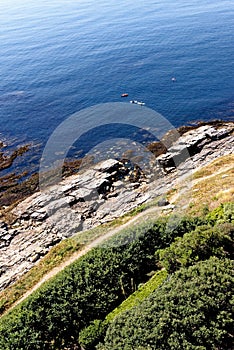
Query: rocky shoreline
(102, 193)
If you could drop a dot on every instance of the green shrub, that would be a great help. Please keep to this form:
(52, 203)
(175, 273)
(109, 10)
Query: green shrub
(193, 310)
(90, 288)
(194, 246)
(223, 214)
(90, 336)
(93, 334)
(139, 295)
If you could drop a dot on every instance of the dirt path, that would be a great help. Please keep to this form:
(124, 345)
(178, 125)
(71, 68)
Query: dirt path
(80, 253)
(145, 214)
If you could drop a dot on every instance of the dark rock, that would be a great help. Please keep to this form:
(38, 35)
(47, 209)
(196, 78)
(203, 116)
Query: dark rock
(163, 202)
(217, 134)
(25, 216)
(3, 232)
(3, 225)
(7, 237)
(39, 215)
(190, 144)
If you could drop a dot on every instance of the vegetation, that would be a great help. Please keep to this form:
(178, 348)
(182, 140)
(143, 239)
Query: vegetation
(90, 288)
(221, 215)
(214, 190)
(140, 294)
(103, 295)
(107, 300)
(208, 187)
(197, 245)
(65, 249)
(61, 252)
(219, 165)
(90, 336)
(204, 193)
(193, 310)
(57, 255)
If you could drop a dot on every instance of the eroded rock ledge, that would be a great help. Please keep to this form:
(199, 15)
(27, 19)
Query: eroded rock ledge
(100, 194)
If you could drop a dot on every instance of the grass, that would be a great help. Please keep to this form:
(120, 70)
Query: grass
(211, 186)
(205, 193)
(217, 165)
(213, 191)
(143, 292)
(143, 207)
(57, 255)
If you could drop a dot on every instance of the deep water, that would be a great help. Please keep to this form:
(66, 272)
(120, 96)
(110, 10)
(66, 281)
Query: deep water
(59, 57)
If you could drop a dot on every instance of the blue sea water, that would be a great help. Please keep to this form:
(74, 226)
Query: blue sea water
(58, 57)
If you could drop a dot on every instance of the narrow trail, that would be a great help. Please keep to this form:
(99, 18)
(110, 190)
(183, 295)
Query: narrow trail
(85, 250)
(146, 214)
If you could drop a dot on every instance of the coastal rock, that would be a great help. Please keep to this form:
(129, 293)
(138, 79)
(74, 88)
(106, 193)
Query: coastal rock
(191, 144)
(98, 195)
(39, 215)
(217, 134)
(163, 202)
(3, 225)
(109, 166)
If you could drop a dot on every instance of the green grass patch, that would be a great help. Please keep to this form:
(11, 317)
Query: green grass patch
(143, 292)
(90, 336)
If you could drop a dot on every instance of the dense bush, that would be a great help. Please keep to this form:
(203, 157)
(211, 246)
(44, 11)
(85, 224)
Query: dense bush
(223, 214)
(192, 310)
(197, 245)
(89, 289)
(90, 336)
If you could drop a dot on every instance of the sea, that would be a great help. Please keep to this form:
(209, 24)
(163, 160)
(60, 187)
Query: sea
(60, 57)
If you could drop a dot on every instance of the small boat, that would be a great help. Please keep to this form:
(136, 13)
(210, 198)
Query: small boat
(138, 103)
(124, 95)
(173, 79)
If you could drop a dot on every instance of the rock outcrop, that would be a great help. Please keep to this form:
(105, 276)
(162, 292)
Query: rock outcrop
(104, 192)
(192, 143)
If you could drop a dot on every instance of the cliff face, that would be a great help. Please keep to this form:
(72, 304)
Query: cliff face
(100, 194)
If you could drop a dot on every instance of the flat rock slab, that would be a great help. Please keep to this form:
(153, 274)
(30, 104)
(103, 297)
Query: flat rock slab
(99, 195)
